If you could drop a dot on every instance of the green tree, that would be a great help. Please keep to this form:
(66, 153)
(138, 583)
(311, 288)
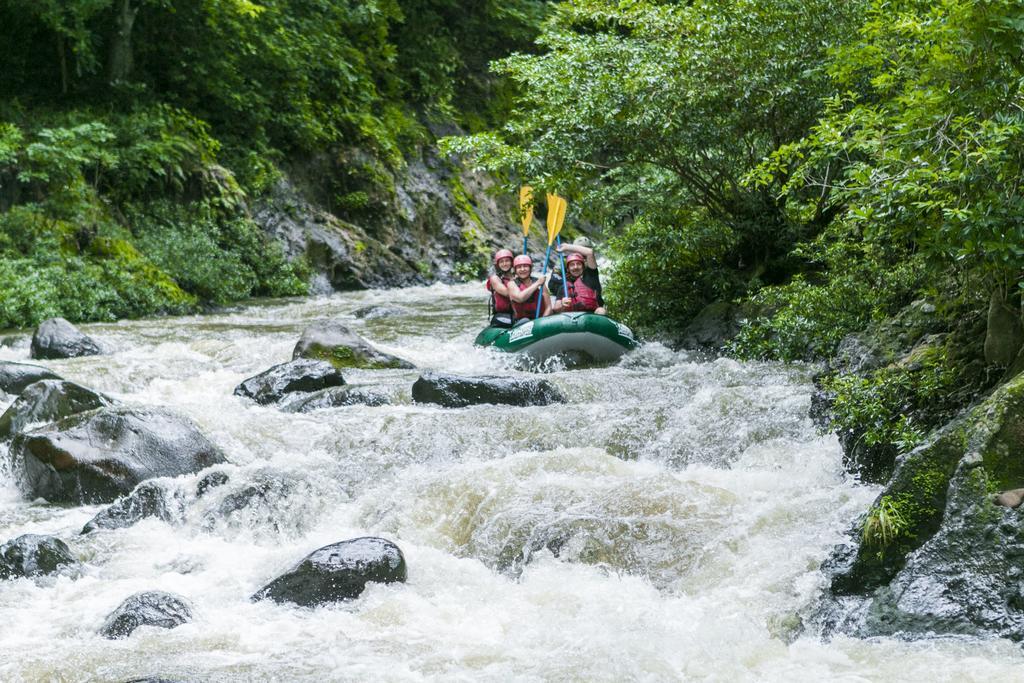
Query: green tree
(658, 110)
(923, 149)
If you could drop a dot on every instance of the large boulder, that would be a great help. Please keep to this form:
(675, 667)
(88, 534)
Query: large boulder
(149, 499)
(101, 455)
(57, 338)
(300, 375)
(14, 377)
(967, 579)
(48, 401)
(339, 571)
(454, 391)
(336, 397)
(32, 555)
(150, 608)
(937, 552)
(331, 341)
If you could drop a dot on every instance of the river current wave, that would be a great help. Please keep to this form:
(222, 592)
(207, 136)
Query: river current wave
(666, 524)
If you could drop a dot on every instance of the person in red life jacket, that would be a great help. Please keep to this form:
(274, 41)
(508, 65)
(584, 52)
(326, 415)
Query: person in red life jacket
(524, 291)
(500, 306)
(583, 281)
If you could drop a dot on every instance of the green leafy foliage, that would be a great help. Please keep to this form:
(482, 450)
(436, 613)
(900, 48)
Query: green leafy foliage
(898, 404)
(849, 284)
(44, 274)
(136, 134)
(656, 111)
(922, 145)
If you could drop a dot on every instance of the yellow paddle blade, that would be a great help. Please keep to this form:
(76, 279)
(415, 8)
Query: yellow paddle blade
(556, 215)
(526, 207)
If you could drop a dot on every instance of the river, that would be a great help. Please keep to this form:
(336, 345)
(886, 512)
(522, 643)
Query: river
(666, 524)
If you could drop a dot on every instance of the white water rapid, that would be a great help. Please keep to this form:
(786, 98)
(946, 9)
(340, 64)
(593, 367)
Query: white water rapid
(665, 525)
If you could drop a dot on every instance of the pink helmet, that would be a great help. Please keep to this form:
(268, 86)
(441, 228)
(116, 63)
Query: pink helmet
(502, 253)
(574, 257)
(522, 260)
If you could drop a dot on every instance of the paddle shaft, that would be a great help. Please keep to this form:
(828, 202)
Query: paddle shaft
(561, 260)
(540, 292)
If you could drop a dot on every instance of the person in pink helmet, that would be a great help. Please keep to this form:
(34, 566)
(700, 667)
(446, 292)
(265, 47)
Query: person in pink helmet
(582, 282)
(525, 289)
(500, 306)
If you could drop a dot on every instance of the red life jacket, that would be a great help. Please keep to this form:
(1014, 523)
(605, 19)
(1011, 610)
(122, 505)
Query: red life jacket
(499, 302)
(527, 309)
(583, 297)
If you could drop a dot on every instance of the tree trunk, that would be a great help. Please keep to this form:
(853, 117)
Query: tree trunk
(1005, 335)
(62, 56)
(120, 64)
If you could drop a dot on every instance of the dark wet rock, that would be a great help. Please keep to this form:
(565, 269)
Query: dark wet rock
(372, 312)
(14, 377)
(856, 354)
(335, 397)
(331, 341)
(967, 579)
(339, 571)
(32, 555)
(210, 481)
(713, 327)
(149, 499)
(57, 338)
(935, 553)
(101, 455)
(48, 401)
(454, 391)
(150, 608)
(300, 375)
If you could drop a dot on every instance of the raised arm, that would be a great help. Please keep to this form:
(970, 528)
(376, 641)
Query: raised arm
(587, 252)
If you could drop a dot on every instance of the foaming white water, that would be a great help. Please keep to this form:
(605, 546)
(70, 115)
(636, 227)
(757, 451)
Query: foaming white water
(665, 524)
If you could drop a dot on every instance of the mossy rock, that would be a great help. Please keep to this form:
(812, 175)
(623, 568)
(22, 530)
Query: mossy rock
(916, 497)
(142, 270)
(331, 341)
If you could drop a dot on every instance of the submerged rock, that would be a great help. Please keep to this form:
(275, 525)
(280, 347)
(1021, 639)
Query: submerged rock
(149, 499)
(14, 377)
(371, 312)
(210, 481)
(339, 571)
(300, 375)
(32, 555)
(150, 608)
(455, 391)
(331, 341)
(57, 338)
(335, 397)
(101, 455)
(47, 401)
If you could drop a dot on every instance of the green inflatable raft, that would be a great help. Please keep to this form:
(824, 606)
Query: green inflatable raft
(580, 337)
